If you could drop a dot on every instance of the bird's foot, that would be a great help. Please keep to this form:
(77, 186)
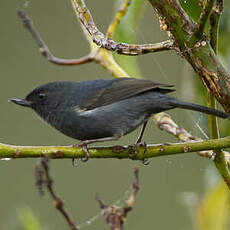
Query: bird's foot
(74, 162)
(135, 152)
(134, 148)
(144, 145)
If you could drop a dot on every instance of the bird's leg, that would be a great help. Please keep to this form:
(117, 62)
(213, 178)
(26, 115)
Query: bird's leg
(84, 145)
(139, 142)
(139, 139)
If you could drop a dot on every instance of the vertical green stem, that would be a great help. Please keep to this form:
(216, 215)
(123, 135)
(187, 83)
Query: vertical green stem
(211, 102)
(220, 161)
(212, 120)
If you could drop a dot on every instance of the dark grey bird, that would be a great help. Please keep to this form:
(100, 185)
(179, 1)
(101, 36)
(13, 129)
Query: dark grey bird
(103, 110)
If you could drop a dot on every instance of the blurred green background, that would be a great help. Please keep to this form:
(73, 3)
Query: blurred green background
(168, 184)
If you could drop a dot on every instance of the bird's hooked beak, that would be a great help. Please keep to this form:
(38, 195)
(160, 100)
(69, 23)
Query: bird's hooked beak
(22, 102)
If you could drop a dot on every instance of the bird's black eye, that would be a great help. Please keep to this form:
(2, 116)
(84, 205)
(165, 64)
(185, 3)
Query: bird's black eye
(41, 95)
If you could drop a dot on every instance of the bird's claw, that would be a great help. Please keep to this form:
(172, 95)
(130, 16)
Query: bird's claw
(74, 162)
(134, 151)
(144, 145)
(146, 161)
(84, 148)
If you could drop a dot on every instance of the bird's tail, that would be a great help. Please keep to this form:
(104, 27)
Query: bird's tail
(200, 108)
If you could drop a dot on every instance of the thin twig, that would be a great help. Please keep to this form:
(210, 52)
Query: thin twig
(100, 39)
(214, 24)
(42, 171)
(119, 15)
(204, 16)
(130, 202)
(115, 216)
(45, 50)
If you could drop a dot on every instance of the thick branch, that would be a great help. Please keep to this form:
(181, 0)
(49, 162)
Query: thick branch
(177, 21)
(120, 152)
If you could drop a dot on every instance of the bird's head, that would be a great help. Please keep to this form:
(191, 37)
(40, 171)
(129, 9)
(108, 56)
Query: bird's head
(48, 97)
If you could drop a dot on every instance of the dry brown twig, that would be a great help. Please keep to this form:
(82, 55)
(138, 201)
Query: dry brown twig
(43, 178)
(43, 47)
(116, 216)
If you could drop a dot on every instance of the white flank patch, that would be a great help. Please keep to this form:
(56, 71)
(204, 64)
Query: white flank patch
(83, 112)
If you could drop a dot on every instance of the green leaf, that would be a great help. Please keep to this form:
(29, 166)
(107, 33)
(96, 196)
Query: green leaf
(192, 8)
(214, 209)
(28, 220)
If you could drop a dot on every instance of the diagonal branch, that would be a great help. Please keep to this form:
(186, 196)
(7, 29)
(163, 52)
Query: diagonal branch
(45, 50)
(199, 54)
(119, 15)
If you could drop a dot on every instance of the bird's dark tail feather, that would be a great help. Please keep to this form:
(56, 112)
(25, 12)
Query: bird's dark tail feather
(200, 108)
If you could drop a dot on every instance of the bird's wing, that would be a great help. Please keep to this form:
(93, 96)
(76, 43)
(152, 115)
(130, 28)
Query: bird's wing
(121, 89)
